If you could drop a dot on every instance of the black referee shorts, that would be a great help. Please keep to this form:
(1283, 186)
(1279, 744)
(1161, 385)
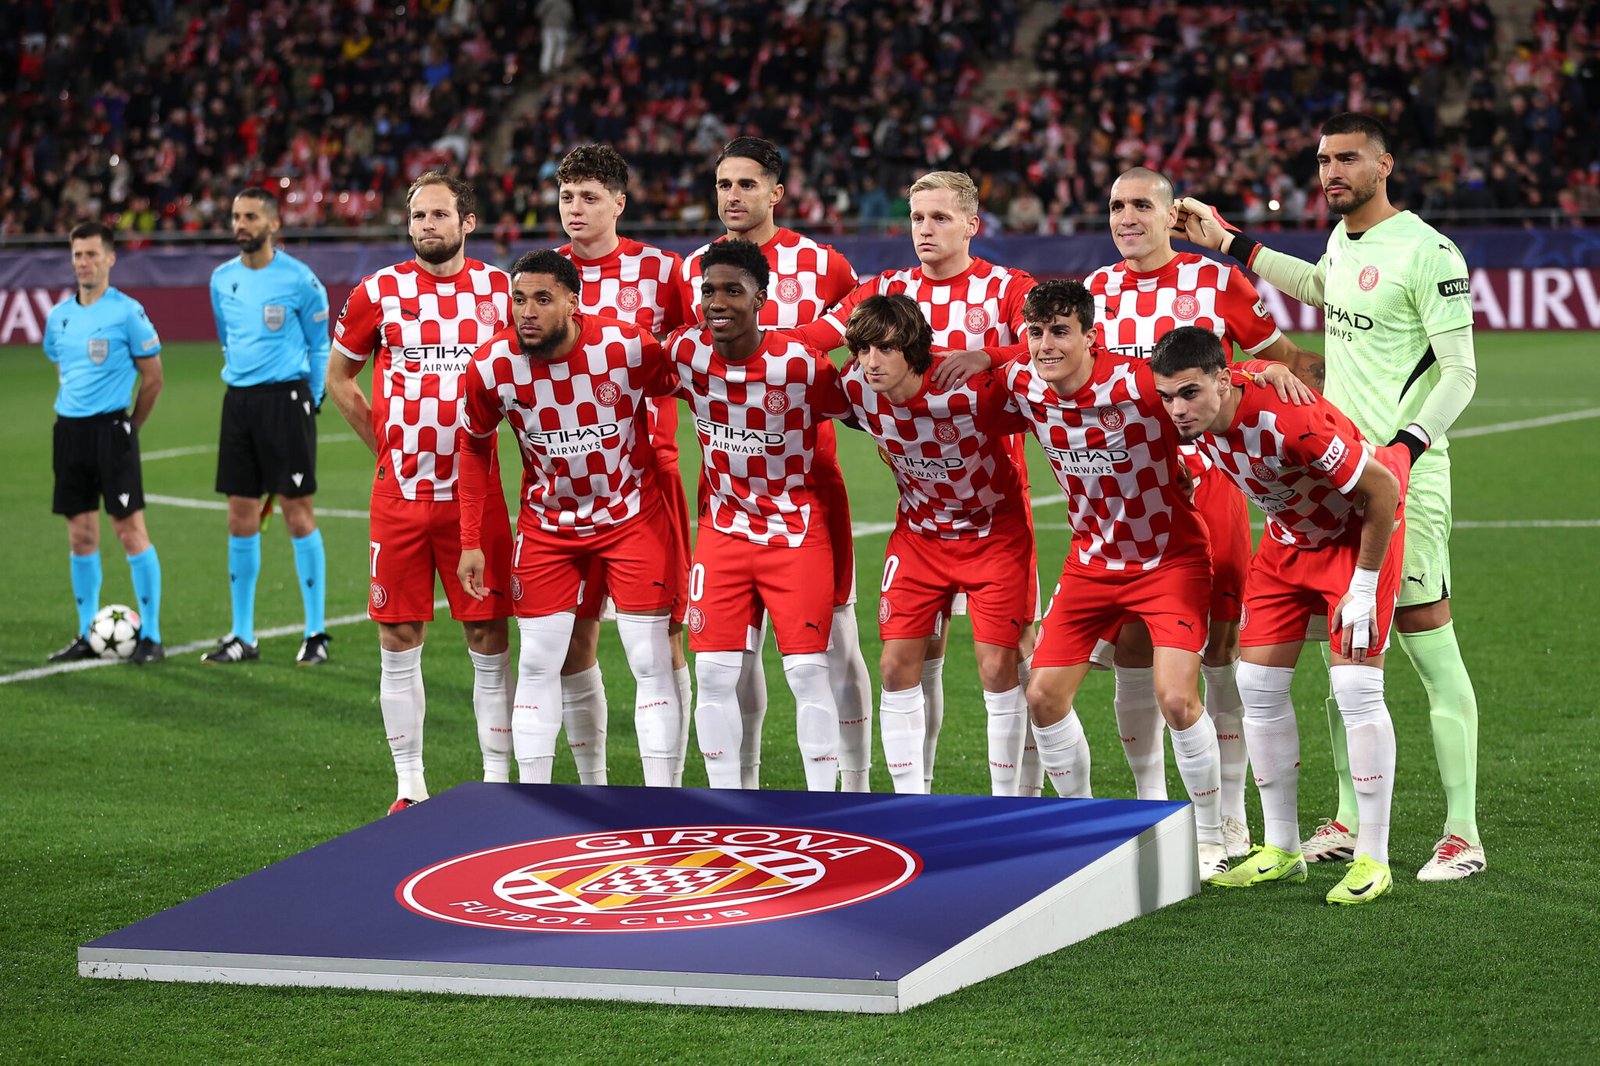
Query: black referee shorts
(97, 457)
(268, 441)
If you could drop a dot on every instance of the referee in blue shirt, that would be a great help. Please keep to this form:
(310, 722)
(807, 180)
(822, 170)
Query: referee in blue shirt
(272, 320)
(102, 342)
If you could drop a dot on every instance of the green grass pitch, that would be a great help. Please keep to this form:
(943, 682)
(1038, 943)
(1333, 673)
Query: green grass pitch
(126, 791)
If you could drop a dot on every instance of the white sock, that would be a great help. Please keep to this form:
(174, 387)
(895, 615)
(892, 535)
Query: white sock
(656, 711)
(1195, 751)
(1141, 727)
(902, 723)
(752, 710)
(933, 712)
(1007, 724)
(1030, 775)
(536, 711)
(404, 704)
(1227, 715)
(680, 677)
(585, 716)
(1369, 738)
(852, 694)
(1273, 738)
(816, 719)
(491, 706)
(1064, 752)
(717, 721)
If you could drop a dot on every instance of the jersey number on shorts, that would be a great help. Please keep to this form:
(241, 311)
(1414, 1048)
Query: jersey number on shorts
(891, 566)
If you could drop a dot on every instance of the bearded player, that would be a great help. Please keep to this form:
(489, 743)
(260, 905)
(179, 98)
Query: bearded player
(418, 323)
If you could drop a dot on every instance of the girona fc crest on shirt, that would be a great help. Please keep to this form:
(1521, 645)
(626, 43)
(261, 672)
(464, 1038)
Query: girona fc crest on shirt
(1262, 472)
(658, 879)
(1185, 307)
(378, 595)
(486, 312)
(945, 432)
(1368, 279)
(607, 394)
(695, 619)
(977, 319)
(1110, 417)
(628, 298)
(776, 403)
(884, 610)
(789, 290)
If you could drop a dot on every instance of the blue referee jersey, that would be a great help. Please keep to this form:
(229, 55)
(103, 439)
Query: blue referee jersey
(94, 349)
(272, 322)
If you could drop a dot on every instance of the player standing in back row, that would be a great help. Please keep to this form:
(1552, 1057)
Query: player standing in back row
(418, 323)
(1400, 362)
(272, 320)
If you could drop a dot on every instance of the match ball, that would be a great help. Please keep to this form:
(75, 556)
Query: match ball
(114, 631)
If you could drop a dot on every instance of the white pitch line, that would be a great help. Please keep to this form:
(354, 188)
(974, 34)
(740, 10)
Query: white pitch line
(181, 649)
(1525, 423)
(204, 449)
(1510, 523)
(222, 505)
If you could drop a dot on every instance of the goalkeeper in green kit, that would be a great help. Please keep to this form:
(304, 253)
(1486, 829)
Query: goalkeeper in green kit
(1399, 362)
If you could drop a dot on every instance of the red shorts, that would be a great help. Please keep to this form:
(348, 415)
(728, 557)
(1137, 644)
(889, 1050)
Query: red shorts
(549, 569)
(411, 540)
(1171, 601)
(827, 480)
(997, 572)
(733, 579)
(596, 591)
(1227, 520)
(1288, 586)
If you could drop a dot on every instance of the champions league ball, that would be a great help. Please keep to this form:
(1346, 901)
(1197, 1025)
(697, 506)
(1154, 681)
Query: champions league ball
(114, 631)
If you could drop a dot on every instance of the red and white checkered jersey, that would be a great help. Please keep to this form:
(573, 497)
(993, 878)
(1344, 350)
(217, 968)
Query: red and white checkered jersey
(420, 331)
(757, 423)
(579, 422)
(1298, 464)
(1115, 453)
(1134, 310)
(806, 279)
(642, 284)
(947, 450)
(981, 307)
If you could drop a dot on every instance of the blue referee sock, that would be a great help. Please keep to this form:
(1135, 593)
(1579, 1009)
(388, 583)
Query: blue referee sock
(312, 564)
(86, 589)
(244, 566)
(146, 570)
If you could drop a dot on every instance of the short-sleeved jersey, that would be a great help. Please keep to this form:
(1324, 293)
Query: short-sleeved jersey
(94, 349)
(947, 451)
(981, 307)
(420, 331)
(1298, 464)
(272, 322)
(1133, 310)
(1385, 292)
(579, 420)
(806, 279)
(757, 423)
(1115, 454)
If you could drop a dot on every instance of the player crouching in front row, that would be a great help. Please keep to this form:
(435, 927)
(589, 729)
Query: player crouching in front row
(574, 388)
(1334, 541)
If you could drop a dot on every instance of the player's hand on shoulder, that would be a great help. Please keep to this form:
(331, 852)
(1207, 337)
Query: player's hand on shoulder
(953, 369)
(1290, 388)
(1197, 223)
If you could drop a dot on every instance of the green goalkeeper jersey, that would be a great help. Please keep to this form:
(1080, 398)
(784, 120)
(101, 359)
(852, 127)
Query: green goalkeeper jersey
(1385, 292)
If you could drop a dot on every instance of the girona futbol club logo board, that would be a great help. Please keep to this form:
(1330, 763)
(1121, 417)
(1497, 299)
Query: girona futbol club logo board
(871, 903)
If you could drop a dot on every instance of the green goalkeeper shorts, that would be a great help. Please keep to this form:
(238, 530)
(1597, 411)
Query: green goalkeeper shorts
(1426, 576)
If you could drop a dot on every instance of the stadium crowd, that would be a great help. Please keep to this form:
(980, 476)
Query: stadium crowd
(146, 113)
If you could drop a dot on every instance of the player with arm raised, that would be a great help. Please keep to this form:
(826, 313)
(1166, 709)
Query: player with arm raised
(102, 343)
(1151, 291)
(757, 397)
(970, 304)
(633, 282)
(961, 526)
(1333, 546)
(574, 388)
(272, 321)
(418, 323)
(1398, 330)
(806, 278)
